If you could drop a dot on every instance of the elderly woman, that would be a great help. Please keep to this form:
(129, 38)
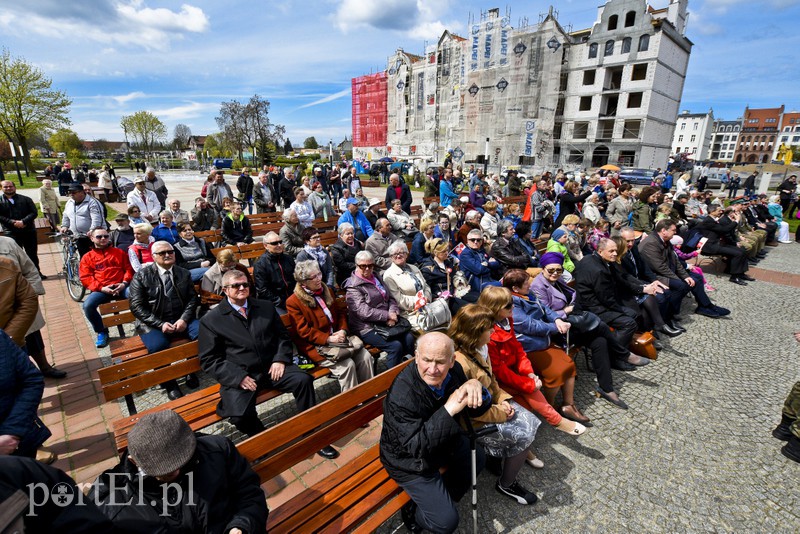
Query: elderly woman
(472, 221)
(166, 230)
(302, 207)
(590, 209)
(512, 367)
(776, 210)
(135, 215)
(477, 198)
(374, 315)
(139, 251)
(644, 209)
(406, 284)
(343, 253)
(619, 209)
(424, 235)
(402, 224)
(470, 331)
(305, 185)
(439, 269)
(589, 330)
(575, 239)
(534, 323)
(320, 328)
(212, 278)
(313, 250)
(476, 264)
(489, 221)
(193, 254)
(321, 203)
(507, 249)
(236, 229)
(558, 243)
(48, 202)
(292, 233)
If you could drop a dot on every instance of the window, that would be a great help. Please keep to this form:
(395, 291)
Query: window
(726, 138)
(771, 121)
(785, 139)
(752, 121)
(683, 126)
(581, 130)
(796, 139)
(612, 22)
(635, 100)
(592, 50)
(631, 129)
(680, 139)
(724, 147)
(787, 129)
(693, 138)
(585, 103)
(644, 43)
(626, 45)
(588, 77)
(609, 48)
(639, 72)
(694, 126)
(630, 18)
(791, 121)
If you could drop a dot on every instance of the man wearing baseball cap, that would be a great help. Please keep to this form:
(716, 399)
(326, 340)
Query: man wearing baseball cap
(354, 216)
(173, 480)
(144, 199)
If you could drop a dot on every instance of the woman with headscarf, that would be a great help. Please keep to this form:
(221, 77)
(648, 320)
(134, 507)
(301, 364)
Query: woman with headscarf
(313, 250)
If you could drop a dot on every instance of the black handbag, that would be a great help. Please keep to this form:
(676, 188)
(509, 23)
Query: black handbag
(583, 322)
(401, 327)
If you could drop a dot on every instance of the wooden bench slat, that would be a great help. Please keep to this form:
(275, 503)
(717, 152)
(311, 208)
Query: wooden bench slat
(375, 501)
(153, 378)
(390, 507)
(158, 359)
(118, 319)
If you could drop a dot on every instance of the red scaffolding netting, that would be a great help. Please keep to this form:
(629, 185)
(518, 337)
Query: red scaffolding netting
(369, 110)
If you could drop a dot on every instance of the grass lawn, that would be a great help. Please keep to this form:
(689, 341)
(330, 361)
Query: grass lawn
(28, 182)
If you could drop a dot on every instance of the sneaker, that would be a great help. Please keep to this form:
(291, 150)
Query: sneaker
(518, 493)
(709, 287)
(102, 340)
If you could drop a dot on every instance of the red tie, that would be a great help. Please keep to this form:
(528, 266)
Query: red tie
(243, 312)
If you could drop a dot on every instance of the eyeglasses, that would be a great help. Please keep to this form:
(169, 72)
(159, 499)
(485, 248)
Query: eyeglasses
(135, 211)
(104, 236)
(554, 271)
(313, 237)
(366, 266)
(164, 253)
(399, 255)
(274, 243)
(317, 276)
(475, 240)
(240, 285)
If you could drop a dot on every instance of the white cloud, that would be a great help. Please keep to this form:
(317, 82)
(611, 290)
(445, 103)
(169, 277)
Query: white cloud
(189, 18)
(186, 111)
(419, 19)
(124, 99)
(329, 98)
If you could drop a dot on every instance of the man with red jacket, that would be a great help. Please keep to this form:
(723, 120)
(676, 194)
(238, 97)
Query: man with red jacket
(106, 272)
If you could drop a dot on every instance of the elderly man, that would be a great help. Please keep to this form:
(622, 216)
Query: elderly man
(244, 186)
(107, 273)
(601, 286)
(292, 233)
(244, 345)
(657, 252)
(17, 213)
(274, 273)
(286, 187)
(164, 302)
(398, 191)
(179, 216)
(204, 217)
(472, 221)
(218, 191)
(354, 217)
(144, 199)
(378, 244)
(421, 434)
(720, 231)
(156, 185)
(82, 214)
(48, 201)
(173, 480)
(264, 194)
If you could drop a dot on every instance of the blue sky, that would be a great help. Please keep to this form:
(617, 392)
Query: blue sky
(180, 61)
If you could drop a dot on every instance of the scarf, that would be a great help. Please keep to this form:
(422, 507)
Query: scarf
(317, 253)
(374, 281)
(325, 204)
(318, 296)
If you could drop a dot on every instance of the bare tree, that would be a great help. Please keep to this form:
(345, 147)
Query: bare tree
(145, 129)
(180, 136)
(248, 126)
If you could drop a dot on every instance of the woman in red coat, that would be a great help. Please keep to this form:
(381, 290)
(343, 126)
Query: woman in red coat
(316, 322)
(511, 366)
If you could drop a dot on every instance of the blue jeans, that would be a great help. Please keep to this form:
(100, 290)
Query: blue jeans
(536, 228)
(197, 273)
(90, 305)
(155, 340)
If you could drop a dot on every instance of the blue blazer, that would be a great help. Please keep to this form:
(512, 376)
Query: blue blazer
(534, 323)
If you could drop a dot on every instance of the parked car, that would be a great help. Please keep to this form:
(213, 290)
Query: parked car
(637, 176)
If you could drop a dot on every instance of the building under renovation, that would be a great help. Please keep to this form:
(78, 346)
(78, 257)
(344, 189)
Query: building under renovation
(537, 96)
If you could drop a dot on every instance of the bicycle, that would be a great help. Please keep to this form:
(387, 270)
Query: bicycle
(72, 260)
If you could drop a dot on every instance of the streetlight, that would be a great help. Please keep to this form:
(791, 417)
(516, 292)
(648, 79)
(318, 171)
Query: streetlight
(24, 163)
(330, 151)
(16, 162)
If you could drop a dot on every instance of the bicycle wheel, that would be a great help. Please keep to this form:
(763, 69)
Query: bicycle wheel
(73, 277)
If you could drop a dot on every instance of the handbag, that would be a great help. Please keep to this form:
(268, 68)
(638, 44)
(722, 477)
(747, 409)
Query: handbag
(434, 315)
(401, 327)
(583, 322)
(336, 352)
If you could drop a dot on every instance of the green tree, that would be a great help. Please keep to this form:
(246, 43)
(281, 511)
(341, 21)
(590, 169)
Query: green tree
(287, 147)
(102, 146)
(64, 140)
(145, 130)
(310, 142)
(248, 126)
(28, 104)
(216, 147)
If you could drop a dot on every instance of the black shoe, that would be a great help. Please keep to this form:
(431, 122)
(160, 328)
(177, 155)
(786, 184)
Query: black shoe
(638, 361)
(747, 277)
(173, 394)
(517, 492)
(619, 403)
(52, 372)
(192, 382)
(792, 449)
(408, 514)
(328, 452)
(782, 431)
(761, 255)
(721, 311)
(674, 324)
(708, 312)
(737, 280)
(622, 365)
(668, 330)
(43, 277)
(658, 345)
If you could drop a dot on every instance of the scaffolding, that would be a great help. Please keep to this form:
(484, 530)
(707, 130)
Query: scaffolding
(369, 110)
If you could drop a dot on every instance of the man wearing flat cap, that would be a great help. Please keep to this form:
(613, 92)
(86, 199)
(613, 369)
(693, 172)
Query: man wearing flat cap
(173, 480)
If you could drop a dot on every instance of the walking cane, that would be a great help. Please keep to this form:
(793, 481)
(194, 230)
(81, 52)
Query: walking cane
(473, 438)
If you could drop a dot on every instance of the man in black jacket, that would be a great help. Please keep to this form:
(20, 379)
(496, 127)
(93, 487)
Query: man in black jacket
(244, 345)
(397, 190)
(17, 213)
(164, 302)
(172, 480)
(421, 433)
(508, 250)
(720, 231)
(286, 187)
(274, 273)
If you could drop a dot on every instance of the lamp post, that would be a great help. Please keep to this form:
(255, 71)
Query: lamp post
(24, 164)
(16, 162)
(330, 151)
(486, 159)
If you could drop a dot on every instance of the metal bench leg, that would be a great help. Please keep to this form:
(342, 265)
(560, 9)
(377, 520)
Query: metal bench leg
(129, 402)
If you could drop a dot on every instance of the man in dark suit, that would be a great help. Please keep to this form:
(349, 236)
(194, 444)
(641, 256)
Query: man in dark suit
(164, 302)
(244, 345)
(396, 190)
(17, 213)
(600, 286)
(720, 230)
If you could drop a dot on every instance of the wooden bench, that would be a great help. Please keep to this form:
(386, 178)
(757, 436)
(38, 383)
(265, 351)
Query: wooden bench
(370, 183)
(43, 231)
(357, 497)
(117, 313)
(521, 199)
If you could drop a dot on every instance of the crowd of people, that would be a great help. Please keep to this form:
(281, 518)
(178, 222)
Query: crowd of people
(490, 313)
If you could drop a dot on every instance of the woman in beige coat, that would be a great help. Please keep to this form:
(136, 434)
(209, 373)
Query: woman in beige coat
(48, 201)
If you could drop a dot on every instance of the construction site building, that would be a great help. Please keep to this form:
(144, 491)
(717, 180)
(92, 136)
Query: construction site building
(540, 96)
